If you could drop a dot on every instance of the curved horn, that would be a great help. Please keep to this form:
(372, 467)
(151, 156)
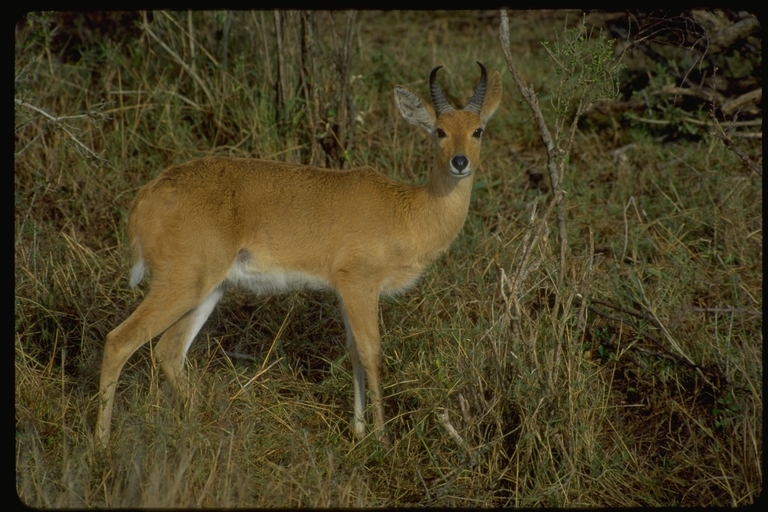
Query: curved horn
(438, 99)
(476, 103)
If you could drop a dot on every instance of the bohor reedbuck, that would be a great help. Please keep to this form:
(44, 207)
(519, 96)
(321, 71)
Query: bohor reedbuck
(270, 226)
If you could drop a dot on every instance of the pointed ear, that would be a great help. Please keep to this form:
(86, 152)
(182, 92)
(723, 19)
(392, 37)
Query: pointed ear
(414, 110)
(492, 98)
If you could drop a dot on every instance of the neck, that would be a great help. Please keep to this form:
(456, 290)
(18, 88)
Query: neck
(441, 208)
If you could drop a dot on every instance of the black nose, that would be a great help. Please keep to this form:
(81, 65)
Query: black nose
(459, 162)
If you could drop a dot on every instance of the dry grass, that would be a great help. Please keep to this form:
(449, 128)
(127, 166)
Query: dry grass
(637, 382)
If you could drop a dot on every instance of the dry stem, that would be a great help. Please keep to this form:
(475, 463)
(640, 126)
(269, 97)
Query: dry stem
(554, 154)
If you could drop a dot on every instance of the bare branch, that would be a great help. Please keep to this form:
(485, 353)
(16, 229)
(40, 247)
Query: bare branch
(554, 154)
(720, 134)
(731, 106)
(528, 94)
(56, 121)
(445, 422)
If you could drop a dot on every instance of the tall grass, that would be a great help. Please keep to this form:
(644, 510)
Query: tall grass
(638, 381)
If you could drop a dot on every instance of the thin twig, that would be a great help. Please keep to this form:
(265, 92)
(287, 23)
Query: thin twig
(727, 310)
(469, 463)
(533, 233)
(720, 134)
(624, 310)
(527, 92)
(445, 422)
(243, 357)
(56, 121)
(649, 337)
(684, 360)
(282, 88)
(692, 120)
(626, 228)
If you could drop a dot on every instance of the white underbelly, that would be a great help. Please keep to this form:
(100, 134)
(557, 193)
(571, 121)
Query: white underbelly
(271, 281)
(249, 273)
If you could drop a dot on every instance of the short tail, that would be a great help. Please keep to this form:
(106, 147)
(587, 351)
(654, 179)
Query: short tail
(137, 272)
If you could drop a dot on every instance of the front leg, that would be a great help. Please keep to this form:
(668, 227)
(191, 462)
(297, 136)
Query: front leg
(360, 307)
(358, 379)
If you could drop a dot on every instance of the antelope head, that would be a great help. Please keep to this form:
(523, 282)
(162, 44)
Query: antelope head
(456, 133)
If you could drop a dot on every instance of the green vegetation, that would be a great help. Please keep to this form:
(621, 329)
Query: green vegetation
(635, 380)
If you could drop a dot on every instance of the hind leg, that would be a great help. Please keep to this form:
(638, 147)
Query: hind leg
(161, 308)
(172, 348)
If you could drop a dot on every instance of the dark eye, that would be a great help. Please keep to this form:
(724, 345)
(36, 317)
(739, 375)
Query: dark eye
(478, 133)
(440, 133)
